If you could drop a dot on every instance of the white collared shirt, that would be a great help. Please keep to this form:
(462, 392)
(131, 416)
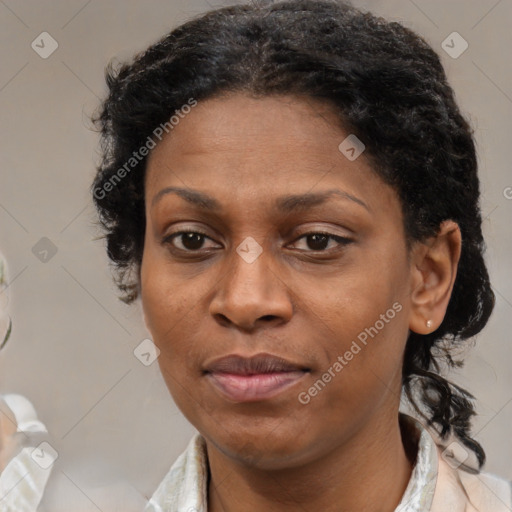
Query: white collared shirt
(437, 484)
(30, 482)
(23, 480)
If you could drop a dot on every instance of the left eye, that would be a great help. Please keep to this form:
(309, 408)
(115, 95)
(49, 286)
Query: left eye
(319, 241)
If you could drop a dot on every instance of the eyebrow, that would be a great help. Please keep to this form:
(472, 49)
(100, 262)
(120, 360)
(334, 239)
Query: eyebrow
(286, 204)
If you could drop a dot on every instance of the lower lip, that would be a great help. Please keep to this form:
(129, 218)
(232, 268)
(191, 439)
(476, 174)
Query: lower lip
(252, 388)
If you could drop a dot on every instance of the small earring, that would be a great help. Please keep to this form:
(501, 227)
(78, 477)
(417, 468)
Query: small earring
(429, 323)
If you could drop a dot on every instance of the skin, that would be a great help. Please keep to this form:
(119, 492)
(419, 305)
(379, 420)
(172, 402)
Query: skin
(8, 428)
(297, 300)
(8, 425)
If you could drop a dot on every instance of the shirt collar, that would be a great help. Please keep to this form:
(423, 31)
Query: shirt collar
(419, 492)
(185, 487)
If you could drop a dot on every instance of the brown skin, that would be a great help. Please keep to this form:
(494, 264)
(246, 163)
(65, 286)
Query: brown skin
(303, 302)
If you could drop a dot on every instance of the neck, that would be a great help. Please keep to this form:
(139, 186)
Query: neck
(369, 472)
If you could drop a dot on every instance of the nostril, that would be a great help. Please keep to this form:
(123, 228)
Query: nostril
(222, 319)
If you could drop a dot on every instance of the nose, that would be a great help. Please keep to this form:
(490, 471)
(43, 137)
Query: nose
(251, 294)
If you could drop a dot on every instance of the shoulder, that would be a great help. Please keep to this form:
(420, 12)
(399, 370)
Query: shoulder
(20, 457)
(17, 414)
(447, 479)
(487, 491)
(24, 413)
(458, 490)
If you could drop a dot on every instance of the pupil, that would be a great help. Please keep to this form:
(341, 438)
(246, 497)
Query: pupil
(192, 240)
(319, 242)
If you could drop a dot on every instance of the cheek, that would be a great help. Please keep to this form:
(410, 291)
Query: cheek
(152, 295)
(164, 312)
(159, 296)
(170, 304)
(363, 369)
(364, 344)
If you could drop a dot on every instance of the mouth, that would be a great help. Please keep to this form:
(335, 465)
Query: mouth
(256, 378)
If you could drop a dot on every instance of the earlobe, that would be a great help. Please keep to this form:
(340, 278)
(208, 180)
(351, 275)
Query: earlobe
(434, 269)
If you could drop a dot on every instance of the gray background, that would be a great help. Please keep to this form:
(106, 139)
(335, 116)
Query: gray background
(72, 348)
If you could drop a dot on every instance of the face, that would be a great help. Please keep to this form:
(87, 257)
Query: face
(297, 252)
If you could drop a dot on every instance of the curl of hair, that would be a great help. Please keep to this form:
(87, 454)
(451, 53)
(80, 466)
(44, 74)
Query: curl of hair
(388, 87)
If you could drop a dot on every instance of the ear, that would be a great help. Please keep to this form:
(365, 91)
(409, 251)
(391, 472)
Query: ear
(433, 271)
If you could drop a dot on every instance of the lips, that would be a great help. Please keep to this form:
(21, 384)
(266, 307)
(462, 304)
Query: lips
(249, 379)
(257, 364)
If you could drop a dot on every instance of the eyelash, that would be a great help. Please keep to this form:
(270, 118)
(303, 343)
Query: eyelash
(342, 241)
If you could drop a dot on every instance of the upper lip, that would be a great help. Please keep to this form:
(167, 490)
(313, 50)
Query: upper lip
(256, 364)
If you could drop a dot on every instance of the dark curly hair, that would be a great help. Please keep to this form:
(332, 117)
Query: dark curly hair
(387, 86)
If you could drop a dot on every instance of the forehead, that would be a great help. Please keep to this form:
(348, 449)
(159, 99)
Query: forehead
(240, 123)
(260, 147)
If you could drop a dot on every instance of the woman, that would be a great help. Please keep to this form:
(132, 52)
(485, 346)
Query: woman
(24, 467)
(292, 192)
